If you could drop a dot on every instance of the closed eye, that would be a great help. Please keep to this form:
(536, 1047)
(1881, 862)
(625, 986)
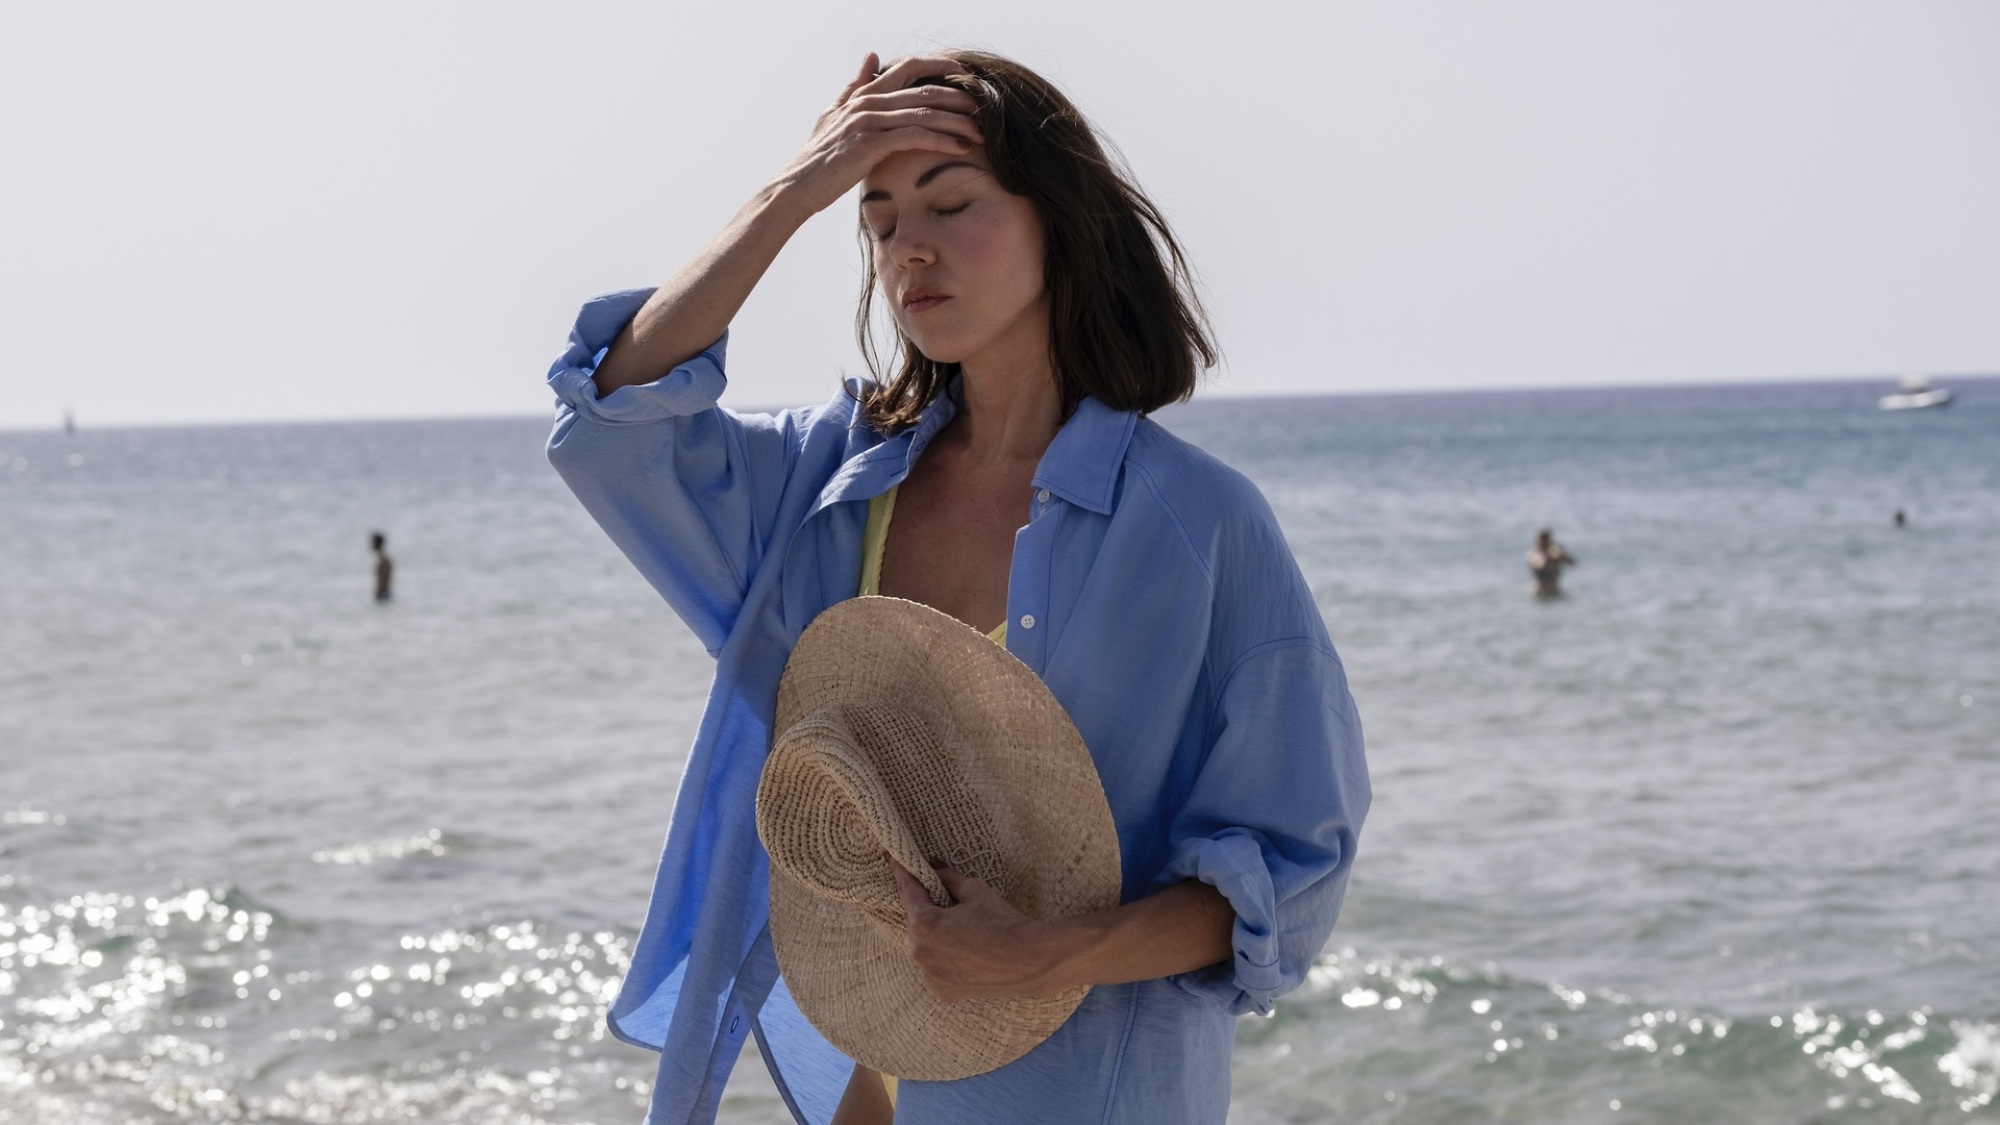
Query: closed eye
(941, 212)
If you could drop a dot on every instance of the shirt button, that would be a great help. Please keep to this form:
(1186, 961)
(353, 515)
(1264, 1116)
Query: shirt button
(1027, 621)
(1043, 495)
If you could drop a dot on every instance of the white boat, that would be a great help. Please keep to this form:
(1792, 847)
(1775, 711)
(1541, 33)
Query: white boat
(1916, 394)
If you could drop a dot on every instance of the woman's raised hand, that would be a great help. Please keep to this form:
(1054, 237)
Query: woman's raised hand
(877, 115)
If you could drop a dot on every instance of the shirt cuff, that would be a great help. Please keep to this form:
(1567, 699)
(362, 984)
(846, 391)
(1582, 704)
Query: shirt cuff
(690, 388)
(1234, 865)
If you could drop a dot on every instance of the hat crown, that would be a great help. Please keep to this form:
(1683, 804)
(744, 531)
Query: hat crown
(843, 777)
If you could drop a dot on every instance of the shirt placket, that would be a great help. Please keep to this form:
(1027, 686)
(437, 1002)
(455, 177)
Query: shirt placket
(1028, 582)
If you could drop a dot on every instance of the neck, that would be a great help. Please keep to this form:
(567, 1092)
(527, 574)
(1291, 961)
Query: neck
(1010, 407)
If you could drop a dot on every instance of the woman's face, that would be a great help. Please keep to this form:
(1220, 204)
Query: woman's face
(959, 258)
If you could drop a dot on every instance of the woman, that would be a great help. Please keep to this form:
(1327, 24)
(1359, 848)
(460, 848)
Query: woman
(1041, 309)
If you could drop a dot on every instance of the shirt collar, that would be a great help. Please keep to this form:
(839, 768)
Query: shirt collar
(1082, 463)
(884, 465)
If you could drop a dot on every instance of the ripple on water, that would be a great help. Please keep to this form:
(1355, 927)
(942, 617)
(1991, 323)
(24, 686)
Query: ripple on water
(1421, 1039)
(431, 843)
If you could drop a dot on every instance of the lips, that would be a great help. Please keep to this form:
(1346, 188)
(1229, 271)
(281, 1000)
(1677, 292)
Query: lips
(919, 300)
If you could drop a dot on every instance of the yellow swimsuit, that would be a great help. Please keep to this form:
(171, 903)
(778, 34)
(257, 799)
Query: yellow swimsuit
(873, 538)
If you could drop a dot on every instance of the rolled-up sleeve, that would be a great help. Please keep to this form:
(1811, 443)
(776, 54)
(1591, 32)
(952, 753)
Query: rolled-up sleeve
(689, 388)
(688, 491)
(1273, 818)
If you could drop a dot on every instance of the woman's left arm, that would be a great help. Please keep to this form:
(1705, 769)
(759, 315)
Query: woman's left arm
(1260, 851)
(980, 948)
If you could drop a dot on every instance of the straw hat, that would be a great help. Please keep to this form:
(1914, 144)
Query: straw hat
(901, 730)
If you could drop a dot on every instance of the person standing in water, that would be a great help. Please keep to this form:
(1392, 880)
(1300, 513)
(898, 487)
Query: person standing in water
(385, 568)
(1546, 561)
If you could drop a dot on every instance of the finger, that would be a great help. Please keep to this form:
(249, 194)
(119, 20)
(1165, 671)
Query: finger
(960, 886)
(932, 120)
(949, 98)
(943, 118)
(904, 71)
(872, 148)
(916, 898)
(881, 146)
(870, 67)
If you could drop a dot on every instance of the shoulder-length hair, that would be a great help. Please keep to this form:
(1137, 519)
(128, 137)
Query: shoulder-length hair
(1125, 326)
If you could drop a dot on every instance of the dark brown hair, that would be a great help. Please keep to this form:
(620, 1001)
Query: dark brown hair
(1125, 325)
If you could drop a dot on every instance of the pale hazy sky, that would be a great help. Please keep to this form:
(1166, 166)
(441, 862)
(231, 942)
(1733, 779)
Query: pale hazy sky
(261, 210)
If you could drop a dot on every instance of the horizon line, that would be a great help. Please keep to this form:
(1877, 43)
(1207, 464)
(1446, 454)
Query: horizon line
(1201, 395)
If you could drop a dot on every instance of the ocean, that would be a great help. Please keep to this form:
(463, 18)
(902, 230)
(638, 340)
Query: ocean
(1712, 838)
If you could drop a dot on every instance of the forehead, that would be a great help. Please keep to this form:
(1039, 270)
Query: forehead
(908, 171)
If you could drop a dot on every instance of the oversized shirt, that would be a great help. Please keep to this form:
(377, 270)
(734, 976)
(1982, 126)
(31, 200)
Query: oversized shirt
(1151, 590)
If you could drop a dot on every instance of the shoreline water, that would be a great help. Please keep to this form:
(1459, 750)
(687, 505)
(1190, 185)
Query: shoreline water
(1737, 775)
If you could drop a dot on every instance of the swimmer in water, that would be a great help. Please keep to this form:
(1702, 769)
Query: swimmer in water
(384, 568)
(1546, 562)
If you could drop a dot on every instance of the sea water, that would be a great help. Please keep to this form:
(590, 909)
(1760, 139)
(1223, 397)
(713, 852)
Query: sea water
(1712, 838)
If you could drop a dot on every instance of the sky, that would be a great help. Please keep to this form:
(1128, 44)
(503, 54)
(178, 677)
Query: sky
(215, 212)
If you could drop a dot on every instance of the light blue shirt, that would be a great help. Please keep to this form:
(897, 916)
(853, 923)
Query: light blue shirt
(1150, 589)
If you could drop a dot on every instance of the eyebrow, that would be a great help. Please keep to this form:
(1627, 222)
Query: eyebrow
(926, 178)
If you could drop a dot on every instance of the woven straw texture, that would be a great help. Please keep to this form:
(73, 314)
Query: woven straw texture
(902, 730)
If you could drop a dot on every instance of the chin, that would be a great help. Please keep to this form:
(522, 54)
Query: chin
(939, 351)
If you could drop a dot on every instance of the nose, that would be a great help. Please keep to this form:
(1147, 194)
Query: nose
(911, 245)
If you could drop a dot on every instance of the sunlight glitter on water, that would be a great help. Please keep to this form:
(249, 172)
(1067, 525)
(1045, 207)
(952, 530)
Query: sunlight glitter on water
(197, 1004)
(429, 843)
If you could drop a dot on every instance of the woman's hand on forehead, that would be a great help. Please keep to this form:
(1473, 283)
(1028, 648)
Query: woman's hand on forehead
(900, 73)
(877, 115)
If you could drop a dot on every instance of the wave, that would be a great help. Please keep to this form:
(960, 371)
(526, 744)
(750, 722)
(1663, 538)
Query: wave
(1422, 1039)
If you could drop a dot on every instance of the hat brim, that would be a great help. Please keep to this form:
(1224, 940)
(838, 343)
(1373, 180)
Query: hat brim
(999, 786)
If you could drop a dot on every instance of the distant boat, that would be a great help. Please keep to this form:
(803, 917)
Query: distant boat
(1916, 394)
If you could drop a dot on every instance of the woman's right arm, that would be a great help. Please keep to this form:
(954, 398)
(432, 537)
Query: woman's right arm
(692, 494)
(876, 115)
